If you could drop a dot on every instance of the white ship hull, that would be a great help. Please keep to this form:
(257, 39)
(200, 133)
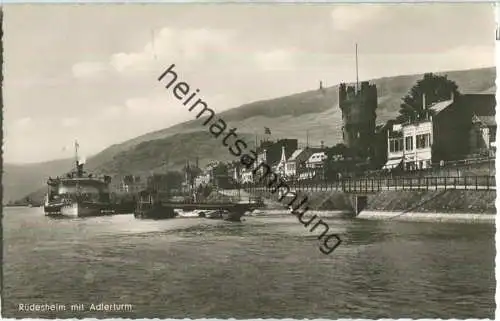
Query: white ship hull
(77, 209)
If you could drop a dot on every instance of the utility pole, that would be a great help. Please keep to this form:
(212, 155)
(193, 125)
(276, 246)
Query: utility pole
(357, 75)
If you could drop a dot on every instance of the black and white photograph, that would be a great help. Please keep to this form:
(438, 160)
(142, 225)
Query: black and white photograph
(248, 160)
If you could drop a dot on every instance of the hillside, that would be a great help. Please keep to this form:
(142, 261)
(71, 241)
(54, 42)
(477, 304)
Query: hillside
(315, 111)
(18, 180)
(305, 109)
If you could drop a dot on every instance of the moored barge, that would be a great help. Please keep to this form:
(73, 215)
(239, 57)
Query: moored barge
(150, 205)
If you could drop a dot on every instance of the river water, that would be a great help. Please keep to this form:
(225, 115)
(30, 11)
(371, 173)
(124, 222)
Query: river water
(267, 266)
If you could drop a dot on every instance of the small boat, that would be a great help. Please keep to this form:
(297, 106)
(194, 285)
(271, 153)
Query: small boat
(214, 214)
(194, 213)
(226, 215)
(183, 213)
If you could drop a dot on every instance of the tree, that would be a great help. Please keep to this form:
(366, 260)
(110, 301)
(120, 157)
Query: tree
(336, 161)
(174, 179)
(436, 88)
(220, 170)
(165, 182)
(195, 171)
(340, 149)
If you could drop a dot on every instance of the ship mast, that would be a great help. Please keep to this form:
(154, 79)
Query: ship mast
(79, 167)
(76, 154)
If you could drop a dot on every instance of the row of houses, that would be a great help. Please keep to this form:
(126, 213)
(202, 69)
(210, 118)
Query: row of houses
(293, 163)
(284, 157)
(457, 128)
(454, 129)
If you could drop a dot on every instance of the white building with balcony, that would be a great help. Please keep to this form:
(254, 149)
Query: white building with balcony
(418, 139)
(410, 146)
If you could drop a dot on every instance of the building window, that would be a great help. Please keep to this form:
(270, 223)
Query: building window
(396, 145)
(423, 141)
(409, 143)
(493, 134)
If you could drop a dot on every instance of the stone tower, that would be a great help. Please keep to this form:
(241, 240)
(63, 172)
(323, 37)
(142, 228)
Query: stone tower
(358, 117)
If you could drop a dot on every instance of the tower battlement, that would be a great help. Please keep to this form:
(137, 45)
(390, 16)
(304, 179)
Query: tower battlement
(367, 92)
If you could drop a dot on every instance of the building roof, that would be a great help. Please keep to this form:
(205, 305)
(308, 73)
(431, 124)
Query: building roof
(485, 120)
(299, 154)
(295, 154)
(440, 106)
(317, 157)
(480, 104)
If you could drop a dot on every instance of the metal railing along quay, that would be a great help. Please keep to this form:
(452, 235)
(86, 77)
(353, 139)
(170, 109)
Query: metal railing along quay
(378, 184)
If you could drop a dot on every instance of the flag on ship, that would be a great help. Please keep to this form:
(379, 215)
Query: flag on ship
(267, 131)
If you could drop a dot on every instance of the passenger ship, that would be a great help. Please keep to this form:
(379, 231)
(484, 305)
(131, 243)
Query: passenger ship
(78, 193)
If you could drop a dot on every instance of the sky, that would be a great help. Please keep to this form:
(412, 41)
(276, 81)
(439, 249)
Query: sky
(89, 72)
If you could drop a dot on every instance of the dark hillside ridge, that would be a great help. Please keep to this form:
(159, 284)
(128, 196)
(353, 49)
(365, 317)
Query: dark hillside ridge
(390, 92)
